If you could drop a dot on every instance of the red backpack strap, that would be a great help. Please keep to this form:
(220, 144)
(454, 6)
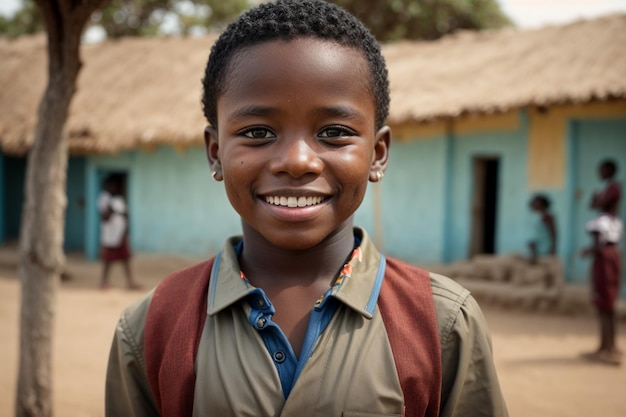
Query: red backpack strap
(177, 314)
(172, 330)
(408, 310)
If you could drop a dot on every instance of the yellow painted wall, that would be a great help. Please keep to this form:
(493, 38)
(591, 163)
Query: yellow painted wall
(461, 125)
(406, 132)
(489, 123)
(547, 139)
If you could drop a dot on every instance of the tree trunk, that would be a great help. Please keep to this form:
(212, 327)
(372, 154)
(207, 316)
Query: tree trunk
(41, 258)
(41, 240)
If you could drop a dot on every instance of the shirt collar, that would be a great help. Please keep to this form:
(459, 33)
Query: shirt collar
(358, 288)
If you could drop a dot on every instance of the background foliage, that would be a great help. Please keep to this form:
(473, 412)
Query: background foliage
(389, 20)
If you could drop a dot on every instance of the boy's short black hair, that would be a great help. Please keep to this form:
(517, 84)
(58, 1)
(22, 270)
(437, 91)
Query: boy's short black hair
(610, 165)
(291, 19)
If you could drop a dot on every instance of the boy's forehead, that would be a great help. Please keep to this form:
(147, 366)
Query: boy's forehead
(297, 55)
(302, 76)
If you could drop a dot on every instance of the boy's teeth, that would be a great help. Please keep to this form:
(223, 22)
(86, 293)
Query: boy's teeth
(293, 201)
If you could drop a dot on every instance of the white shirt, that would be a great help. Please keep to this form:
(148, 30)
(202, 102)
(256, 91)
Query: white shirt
(113, 229)
(609, 228)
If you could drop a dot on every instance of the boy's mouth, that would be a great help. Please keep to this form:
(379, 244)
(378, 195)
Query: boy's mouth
(293, 201)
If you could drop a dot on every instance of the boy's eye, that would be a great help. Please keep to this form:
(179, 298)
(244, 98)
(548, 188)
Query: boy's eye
(258, 133)
(335, 132)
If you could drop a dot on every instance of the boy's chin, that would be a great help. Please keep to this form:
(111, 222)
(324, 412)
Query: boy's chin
(291, 240)
(298, 239)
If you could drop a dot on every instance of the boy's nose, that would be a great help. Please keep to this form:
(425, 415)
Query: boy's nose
(297, 159)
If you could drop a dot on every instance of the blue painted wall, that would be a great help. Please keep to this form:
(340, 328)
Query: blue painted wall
(413, 193)
(181, 208)
(174, 205)
(512, 203)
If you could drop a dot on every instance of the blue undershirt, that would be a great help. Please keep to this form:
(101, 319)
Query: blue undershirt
(285, 359)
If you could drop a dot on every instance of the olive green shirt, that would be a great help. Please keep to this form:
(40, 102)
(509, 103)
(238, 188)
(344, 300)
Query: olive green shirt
(236, 375)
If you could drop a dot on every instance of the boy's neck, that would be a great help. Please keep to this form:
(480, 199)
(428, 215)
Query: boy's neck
(267, 265)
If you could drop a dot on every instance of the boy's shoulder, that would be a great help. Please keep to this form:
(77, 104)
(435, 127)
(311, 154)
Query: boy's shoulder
(451, 300)
(447, 292)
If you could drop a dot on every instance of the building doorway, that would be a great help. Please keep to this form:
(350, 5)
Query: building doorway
(13, 177)
(121, 176)
(484, 205)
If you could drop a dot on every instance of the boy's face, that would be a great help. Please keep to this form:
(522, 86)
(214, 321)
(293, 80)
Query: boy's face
(296, 143)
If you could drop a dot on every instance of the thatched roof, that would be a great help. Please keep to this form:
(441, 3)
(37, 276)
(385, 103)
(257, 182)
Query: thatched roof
(139, 92)
(130, 93)
(487, 72)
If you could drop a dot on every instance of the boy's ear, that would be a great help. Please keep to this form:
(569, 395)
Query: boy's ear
(380, 156)
(211, 145)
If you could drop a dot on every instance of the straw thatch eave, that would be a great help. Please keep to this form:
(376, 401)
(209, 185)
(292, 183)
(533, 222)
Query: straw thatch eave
(130, 93)
(491, 72)
(136, 93)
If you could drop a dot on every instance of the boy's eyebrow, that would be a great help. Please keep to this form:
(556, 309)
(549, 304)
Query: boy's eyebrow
(339, 111)
(252, 110)
(343, 112)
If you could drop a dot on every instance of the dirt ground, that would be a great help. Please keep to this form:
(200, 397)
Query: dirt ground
(537, 354)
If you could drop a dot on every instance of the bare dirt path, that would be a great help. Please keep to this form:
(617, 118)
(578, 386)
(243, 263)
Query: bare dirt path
(536, 354)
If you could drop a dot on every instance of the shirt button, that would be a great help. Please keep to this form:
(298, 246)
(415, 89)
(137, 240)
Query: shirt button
(279, 356)
(261, 302)
(261, 322)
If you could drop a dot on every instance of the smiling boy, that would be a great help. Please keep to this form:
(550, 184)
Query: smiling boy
(301, 315)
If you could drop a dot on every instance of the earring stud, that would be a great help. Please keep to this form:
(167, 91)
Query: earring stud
(213, 174)
(379, 175)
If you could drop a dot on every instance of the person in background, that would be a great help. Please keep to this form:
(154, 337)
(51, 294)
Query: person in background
(606, 231)
(114, 231)
(608, 199)
(544, 235)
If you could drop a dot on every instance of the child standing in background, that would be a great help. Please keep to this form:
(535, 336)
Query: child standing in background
(114, 245)
(606, 269)
(301, 315)
(544, 238)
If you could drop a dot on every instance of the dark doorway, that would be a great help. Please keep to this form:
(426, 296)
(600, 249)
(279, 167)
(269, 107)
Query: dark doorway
(12, 189)
(13, 195)
(484, 205)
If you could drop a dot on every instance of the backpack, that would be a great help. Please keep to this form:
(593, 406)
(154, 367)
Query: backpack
(178, 310)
